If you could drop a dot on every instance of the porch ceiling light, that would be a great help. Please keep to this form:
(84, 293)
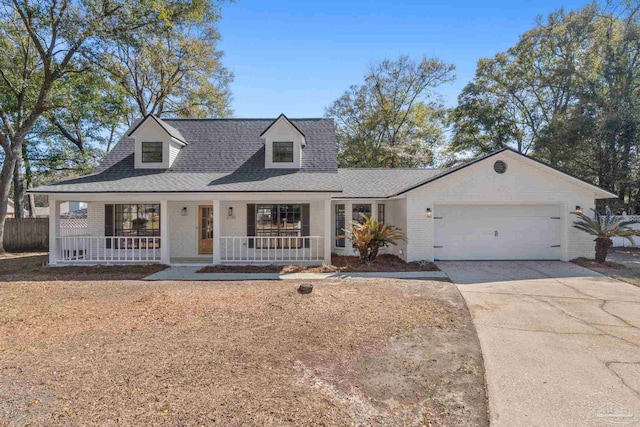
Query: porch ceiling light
(429, 213)
(184, 211)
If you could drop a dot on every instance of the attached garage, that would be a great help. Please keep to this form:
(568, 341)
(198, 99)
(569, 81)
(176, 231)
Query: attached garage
(497, 232)
(504, 206)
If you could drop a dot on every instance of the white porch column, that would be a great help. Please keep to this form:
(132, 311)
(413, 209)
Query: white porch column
(327, 231)
(54, 230)
(217, 215)
(165, 252)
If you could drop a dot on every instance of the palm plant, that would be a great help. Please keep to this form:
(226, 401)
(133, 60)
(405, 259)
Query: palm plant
(604, 227)
(368, 236)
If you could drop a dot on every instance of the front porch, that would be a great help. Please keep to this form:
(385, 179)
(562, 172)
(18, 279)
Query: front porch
(285, 229)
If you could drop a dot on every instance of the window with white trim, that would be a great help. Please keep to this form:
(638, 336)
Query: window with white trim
(340, 225)
(152, 151)
(283, 152)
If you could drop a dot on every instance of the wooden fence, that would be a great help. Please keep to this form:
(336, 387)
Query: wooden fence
(26, 234)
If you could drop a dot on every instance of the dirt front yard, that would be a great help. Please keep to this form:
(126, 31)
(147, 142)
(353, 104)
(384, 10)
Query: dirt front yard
(354, 352)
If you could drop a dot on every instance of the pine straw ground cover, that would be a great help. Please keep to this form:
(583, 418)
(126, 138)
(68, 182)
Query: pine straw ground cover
(354, 352)
(339, 263)
(624, 265)
(33, 267)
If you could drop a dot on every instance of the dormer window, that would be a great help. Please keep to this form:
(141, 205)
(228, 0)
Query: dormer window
(157, 143)
(283, 144)
(152, 151)
(283, 152)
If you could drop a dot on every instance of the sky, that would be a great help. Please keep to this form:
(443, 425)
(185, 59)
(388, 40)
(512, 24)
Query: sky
(297, 57)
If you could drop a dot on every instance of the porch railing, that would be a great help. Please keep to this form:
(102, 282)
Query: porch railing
(271, 249)
(108, 249)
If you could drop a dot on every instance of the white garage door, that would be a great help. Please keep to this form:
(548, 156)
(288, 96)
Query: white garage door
(499, 232)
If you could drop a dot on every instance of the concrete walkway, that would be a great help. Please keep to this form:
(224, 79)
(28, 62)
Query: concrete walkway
(561, 344)
(191, 274)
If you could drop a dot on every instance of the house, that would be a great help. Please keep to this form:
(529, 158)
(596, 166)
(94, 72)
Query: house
(71, 209)
(211, 191)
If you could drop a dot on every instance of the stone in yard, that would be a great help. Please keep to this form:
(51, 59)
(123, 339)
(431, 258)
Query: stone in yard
(305, 288)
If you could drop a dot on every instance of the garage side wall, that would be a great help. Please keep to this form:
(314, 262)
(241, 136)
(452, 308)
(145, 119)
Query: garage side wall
(523, 183)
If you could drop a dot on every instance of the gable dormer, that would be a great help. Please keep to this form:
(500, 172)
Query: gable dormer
(283, 143)
(157, 144)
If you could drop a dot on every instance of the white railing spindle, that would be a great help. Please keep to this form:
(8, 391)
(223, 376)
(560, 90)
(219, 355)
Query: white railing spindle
(79, 249)
(263, 249)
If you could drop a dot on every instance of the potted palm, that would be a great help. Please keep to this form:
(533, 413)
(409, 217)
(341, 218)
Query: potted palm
(368, 236)
(604, 227)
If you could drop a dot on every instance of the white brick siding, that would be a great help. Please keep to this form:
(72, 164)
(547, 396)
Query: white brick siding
(183, 230)
(95, 218)
(524, 182)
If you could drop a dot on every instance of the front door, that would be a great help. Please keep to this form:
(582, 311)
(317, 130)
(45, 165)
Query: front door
(205, 229)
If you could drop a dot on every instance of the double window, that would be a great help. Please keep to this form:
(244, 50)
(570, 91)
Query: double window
(283, 152)
(151, 152)
(139, 220)
(278, 221)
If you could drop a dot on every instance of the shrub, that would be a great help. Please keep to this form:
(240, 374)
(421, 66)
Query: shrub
(368, 236)
(604, 227)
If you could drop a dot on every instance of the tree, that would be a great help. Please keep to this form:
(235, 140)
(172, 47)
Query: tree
(175, 72)
(604, 227)
(368, 236)
(395, 118)
(567, 93)
(43, 42)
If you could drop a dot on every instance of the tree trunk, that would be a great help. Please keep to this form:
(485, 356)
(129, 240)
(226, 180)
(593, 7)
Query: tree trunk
(602, 248)
(6, 179)
(373, 254)
(363, 253)
(18, 189)
(28, 179)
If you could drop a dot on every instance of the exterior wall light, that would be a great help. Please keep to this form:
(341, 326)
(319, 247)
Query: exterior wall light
(429, 213)
(183, 212)
(578, 210)
(230, 212)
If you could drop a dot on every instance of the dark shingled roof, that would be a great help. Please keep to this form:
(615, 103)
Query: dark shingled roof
(173, 132)
(161, 181)
(380, 183)
(226, 145)
(221, 155)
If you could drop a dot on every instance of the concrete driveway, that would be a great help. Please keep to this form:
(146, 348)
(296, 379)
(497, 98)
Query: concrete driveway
(561, 344)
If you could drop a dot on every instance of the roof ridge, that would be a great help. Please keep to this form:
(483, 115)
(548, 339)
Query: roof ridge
(240, 118)
(410, 169)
